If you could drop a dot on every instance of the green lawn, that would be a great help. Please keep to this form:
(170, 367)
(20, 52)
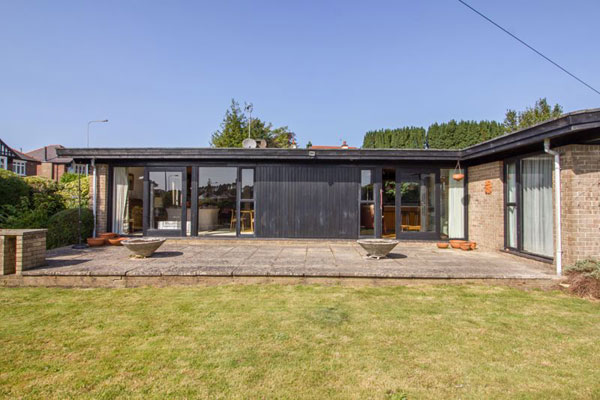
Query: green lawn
(311, 342)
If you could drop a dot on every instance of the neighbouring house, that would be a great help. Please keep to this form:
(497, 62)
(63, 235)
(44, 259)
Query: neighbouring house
(51, 165)
(534, 192)
(16, 161)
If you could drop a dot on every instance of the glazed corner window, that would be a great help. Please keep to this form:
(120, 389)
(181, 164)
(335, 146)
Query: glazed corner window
(366, 185)
(19, 167)
(247, 201)
(367, 204)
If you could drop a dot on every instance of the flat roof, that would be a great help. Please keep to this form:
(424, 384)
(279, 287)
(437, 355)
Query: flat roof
(575, 127)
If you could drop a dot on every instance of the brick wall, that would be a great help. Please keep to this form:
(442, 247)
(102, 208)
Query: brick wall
(101, 197)
(486, 211)
(21, 249)
(580, 202)
(45, 169)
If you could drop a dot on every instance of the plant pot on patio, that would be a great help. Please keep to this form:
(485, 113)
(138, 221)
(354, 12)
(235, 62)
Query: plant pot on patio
(109, 235)
(456, 243)
(143, 248)
(117, 241)
(96, 241)
(442, 245)
(377, 248)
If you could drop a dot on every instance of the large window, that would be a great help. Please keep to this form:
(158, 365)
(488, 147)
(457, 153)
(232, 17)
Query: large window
(217, 193)
(528, 205)
(20, 167)
(247, 201)
(417, 202)
(367, 203)
(166, 199)
(3, 163)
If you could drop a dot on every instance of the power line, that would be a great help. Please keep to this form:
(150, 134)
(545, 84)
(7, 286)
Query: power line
(530, 47)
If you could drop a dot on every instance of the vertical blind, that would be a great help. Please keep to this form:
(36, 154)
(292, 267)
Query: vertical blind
(536, 180)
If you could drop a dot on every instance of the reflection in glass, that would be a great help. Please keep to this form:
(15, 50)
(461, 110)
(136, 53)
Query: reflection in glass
(417, 197)
(166, 198)
(366, 185)
(217, 190)
(367, 206)
(247, 183)
(389, 203)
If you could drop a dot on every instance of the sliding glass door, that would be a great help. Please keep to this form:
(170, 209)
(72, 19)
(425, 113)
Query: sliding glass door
(418, 201)
(529, 220)
(165, 201)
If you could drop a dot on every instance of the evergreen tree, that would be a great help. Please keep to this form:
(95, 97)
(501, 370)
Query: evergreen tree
(410, 137)
(234, 129)
(540, 112)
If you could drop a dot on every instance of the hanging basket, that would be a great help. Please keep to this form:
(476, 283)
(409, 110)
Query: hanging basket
(458, 175)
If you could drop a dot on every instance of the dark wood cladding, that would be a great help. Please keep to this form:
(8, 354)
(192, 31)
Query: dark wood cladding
(307, 201)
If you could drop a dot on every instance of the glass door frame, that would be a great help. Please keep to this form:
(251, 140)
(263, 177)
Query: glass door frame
(435, 235)
(148, 231)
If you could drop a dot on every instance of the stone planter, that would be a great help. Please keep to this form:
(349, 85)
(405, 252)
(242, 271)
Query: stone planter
(377, 248)
(143, 248)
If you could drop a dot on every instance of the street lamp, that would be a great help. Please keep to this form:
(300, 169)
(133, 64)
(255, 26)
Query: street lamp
(79, 244)
(88, 129)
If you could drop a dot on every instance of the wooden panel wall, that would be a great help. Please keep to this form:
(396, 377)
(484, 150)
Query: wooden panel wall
(302, 201)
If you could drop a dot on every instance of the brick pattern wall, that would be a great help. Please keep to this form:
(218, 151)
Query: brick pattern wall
(31, 250)
(8, 255)
(101, 197)
(486, 211)
(21, 249)
(580, 202)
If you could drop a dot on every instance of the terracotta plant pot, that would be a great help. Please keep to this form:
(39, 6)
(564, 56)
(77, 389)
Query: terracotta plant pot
(95, 242)
(458, 177)
(109, 235)
(456, 243)
(465, 246)
(117, 241)
(473, 245)
(442, 245)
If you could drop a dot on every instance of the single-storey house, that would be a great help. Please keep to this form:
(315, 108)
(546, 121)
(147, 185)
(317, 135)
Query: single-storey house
(534, 192)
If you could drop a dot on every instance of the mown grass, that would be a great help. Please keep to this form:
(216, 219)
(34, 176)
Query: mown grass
(293, 342)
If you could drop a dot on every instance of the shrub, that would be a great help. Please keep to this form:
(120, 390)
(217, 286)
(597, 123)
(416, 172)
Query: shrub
(69, 192)
(62, 227)
(584, 278)
(34, 209)
(71, 177)
(12, 188)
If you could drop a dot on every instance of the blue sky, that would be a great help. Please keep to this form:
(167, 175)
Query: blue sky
(164, 73)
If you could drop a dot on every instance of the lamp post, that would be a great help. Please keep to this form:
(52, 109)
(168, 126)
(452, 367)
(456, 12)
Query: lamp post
(79, 244)
(88, 129)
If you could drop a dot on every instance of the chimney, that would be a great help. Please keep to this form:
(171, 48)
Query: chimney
(344, 145)
(45, 153)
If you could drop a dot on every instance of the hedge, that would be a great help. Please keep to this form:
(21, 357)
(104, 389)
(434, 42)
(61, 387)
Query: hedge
(62, 227)
(12, 188)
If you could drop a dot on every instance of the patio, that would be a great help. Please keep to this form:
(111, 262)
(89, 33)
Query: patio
(292, 259)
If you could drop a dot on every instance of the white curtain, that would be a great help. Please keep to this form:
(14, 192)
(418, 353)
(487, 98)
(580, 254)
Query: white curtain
(120, 196)
(538, 218)
(456, 210)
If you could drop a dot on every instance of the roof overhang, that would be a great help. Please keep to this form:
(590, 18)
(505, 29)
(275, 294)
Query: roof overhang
(576, 127)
